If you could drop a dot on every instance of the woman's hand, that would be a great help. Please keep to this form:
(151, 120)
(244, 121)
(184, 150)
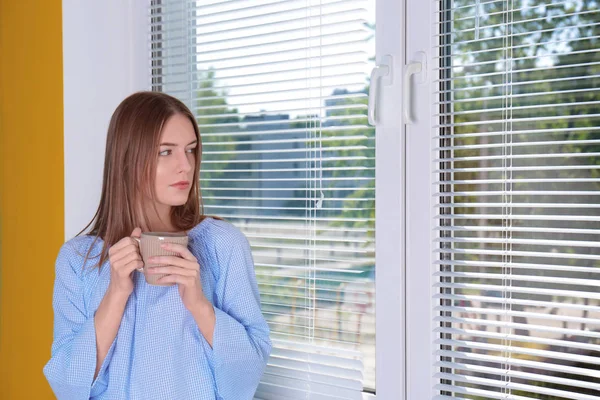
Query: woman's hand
(184, 271)
(124, 257)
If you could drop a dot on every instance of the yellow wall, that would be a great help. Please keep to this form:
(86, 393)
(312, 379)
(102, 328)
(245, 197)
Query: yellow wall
(31, 189)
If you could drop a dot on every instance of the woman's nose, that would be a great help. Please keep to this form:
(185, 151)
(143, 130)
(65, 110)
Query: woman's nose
(184, 164)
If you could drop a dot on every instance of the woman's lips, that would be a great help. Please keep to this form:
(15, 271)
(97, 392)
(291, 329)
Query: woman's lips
(181, 185)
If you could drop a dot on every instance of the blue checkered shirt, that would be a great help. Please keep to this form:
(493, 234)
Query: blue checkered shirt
(159, 351)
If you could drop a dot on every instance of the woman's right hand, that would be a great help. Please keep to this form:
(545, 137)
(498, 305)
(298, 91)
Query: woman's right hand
(124, 257)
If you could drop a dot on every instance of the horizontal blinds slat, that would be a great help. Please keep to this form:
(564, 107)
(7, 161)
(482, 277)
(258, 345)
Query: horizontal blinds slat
(358, 169)
(312, 373)
(324, 67)
(515, 121)
(323, 10)
(313, 97)
(516, 144)
(307, 179)
(295, 133)
(474, 369)
(316, 247)
(319, 282)
(326, 60)
(515, 59)
(513, 22)
(516, 289)
(507, 311)
(175, 8)
(289, 13)
(540, 155)
(272, 309)
(516, 180)
(356, 106)
(531, 168)
(516, 84)
(279, 151)
(303, 42)
(515, 265)
(473, 392)
(350, 324)
(520, 193)
(258, 226)
(502, 97)
(478, 357)
(519, 205)
(499, 302)
(514, 7)
(515, 339)
(455, 78)
(317, 350)
(509, 385)
(304, 386)
(306, 91)
(287, 189)
(313, 141)
(520, 217)
(326, 159)
(448, 38)
(306, 83)
(511, 241)
(254, 237)
(501, 50)
(246, 58)
(167, 35)
(514, 277)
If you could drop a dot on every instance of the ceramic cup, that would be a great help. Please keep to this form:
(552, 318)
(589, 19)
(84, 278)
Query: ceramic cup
(150, 246)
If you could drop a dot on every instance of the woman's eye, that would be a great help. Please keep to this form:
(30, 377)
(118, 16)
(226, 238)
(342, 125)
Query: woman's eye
(164, 153)
(192, 151)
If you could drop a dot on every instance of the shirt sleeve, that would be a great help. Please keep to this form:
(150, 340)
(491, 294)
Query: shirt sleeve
(241, 343)
(70, 371)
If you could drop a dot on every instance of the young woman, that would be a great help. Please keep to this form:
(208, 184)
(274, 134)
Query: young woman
(117, 337)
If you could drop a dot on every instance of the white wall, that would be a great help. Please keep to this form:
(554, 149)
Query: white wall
(105, 58)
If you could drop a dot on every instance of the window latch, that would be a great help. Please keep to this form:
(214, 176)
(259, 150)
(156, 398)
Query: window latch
(381, 73)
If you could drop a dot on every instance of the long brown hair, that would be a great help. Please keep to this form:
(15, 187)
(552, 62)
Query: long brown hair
(132, 145)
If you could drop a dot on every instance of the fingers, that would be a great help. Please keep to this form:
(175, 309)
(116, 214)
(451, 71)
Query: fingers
(183, 251)
(137, 232)
(179, 279)
(133, 265)
(172, 270)
(121, 244)
(173, 260)
(127, 254)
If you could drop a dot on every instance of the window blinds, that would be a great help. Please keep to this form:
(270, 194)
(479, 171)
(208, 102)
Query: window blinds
(279, 91)
(517, 198)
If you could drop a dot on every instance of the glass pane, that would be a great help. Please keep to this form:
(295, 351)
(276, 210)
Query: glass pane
(520, 251)
(280, 94)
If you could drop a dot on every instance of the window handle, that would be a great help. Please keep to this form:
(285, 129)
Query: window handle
(381, 73)
(410, 70)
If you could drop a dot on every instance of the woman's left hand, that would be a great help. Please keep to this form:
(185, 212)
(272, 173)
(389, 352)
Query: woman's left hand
(184, 271)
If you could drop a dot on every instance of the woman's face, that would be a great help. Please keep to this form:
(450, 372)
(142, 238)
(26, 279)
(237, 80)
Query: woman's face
(176, 161)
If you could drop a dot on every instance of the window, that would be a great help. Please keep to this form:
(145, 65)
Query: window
(279, 89)
(515, 122)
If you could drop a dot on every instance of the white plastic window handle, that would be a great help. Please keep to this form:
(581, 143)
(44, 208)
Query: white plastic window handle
(411, 69)
(383, 70)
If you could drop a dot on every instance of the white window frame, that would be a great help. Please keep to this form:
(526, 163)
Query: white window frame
(390, 243)
(420, 291)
